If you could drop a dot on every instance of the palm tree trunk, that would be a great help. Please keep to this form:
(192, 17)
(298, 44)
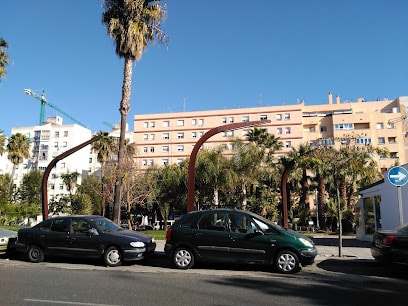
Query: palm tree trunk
(124, 110)
(13, 171)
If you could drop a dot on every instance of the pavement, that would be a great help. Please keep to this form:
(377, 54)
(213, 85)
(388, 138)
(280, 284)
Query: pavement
(327, 247)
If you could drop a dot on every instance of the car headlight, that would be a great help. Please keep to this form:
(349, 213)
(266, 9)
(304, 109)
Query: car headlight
(137, 244)
(306, 242)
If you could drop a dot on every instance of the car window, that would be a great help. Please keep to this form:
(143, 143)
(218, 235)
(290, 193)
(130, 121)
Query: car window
(265, 227)
(240, 223)
(45, 226)
(214, 221)
(60, 225)
(105, 225)
(80, 226)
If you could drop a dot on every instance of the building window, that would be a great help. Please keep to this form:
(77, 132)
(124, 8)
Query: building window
(380, 125)
(180, 135)
(288, 144)
(363, 141)
(279, 117)
(179, 161)
(65, 133)
(194, 135)
(201, 122)
(166, 123)
(230, 133)
(287, 116)
(151, 149)
(193, 122)
(390, 125)
(145, 136)
(56, 134)
(245, 132)
(165, 149)
(201, 134)
(323, 129)
(152, 124)
(180, 122)
(312, 129)
(165, 162)
(61, 186)
(381, 140)
(151, 136)
(287, 130)
(145, 124)
(64, 144)
(62, 165)
(279, 131)
(231, 120)
(245, 118)
(151, 162)
(144, 162)
(394, 155)
(52, 186)
(144, 149)
(180, 148)
(166, 136)
(263, 117)
(224, 120)
(56, 145)
(224, 134)
(344, 126)
(392, 140)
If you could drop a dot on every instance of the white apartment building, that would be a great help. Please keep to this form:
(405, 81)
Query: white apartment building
(48, 141)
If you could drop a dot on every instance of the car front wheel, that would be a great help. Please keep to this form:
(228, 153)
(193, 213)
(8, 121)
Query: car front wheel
(183, 258)
(112, 257)
(35, 253)
(287, 262)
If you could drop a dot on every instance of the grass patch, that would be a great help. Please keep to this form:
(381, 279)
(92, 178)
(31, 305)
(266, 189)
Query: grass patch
(157, 235)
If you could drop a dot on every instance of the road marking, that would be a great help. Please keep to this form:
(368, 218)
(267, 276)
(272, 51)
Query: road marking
(66, 303)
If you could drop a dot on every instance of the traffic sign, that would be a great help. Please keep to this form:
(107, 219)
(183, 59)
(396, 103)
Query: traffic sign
(398, 176)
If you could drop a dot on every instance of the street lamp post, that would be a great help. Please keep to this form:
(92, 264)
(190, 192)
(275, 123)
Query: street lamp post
(197, 146)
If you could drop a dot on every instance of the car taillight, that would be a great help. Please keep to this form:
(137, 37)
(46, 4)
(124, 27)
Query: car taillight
(388, 240)
(168, 234)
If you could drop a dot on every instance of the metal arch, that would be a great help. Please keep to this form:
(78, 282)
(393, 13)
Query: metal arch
(197, 146)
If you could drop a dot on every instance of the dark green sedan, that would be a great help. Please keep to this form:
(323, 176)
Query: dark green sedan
(236, 236)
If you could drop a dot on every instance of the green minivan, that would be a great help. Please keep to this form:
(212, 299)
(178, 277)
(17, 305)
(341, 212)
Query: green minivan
(236, 236)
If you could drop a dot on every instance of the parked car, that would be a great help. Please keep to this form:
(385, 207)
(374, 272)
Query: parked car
(236, 236)
(83, 236)
(391, 245)
(7, 240)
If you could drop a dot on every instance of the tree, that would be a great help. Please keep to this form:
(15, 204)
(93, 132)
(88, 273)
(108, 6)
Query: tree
(31, 186)
(90, 186)
(132, 25)
(212, 174)
(3, 140)
(246, 162)
(3, 58)
(70, 180)
(18, 148)
(104, 147)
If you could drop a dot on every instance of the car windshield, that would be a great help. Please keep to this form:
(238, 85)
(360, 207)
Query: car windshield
(105, 225)
(402, 228)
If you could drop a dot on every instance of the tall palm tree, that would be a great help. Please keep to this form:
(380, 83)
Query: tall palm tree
(18, 148)
(132, 25)
(3, 58)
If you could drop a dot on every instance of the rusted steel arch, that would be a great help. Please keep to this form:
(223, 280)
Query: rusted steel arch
(44, 193)
(197, 146)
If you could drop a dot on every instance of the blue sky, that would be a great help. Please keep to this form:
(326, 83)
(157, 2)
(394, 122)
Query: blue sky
(221, 54)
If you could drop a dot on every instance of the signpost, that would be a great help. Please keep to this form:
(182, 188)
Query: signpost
(398, 176)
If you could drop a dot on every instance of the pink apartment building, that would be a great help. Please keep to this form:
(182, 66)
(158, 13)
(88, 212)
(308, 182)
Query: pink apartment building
(169, 138)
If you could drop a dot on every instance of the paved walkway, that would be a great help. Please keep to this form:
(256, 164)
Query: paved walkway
(327, 247)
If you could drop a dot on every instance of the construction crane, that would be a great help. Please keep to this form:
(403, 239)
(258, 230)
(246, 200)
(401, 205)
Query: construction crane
(44, 102)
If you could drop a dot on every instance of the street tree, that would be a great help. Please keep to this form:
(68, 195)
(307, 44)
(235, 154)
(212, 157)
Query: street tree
(30, 188)
(3, 58)
(132, 25)
(18, 148)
